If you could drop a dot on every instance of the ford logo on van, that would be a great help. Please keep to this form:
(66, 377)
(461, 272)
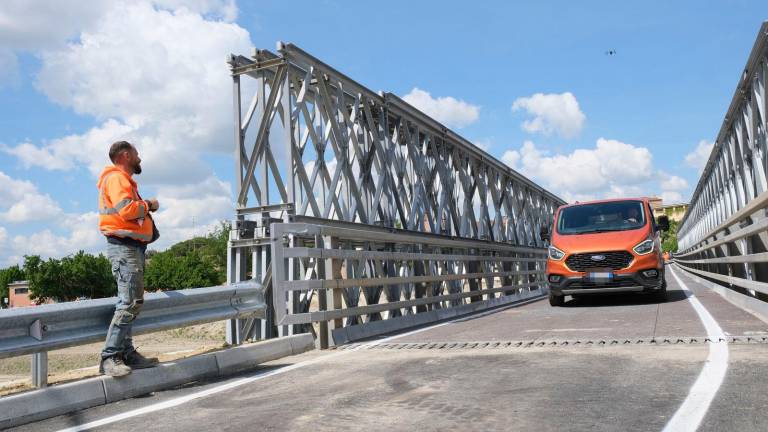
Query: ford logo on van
(598, 257)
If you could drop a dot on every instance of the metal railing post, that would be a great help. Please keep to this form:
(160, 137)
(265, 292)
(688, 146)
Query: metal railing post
(40, 369)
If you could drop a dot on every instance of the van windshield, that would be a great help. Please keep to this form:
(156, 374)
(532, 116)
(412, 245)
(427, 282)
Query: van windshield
(601, 217)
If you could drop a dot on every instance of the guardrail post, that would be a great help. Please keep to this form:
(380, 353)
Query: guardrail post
(474, 283)
(290, 296)
(40, 369)
(236, 267)
(745, 247)
(330, 269)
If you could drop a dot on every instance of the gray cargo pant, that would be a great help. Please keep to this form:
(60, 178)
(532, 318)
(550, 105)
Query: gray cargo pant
(128, 269)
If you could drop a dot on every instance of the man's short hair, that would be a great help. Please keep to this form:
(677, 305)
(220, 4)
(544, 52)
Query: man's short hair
(117, 147)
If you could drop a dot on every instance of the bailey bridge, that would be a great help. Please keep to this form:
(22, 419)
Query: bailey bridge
(412, 261)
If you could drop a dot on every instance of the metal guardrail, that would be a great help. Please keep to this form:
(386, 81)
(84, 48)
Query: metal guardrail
(724, 234)
(364, 275)
(37, 330)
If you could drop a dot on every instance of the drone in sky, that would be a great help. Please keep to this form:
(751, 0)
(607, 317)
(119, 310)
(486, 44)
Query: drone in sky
(611, 52)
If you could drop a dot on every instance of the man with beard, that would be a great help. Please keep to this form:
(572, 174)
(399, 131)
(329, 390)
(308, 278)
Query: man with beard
(125, 220)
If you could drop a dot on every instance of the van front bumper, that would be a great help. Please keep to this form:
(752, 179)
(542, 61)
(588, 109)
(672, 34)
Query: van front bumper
(621, 283)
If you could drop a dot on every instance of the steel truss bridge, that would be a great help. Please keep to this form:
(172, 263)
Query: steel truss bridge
(413, 259)
(361, 214)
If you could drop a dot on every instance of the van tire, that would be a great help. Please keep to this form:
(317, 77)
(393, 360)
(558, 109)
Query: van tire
(556, 300)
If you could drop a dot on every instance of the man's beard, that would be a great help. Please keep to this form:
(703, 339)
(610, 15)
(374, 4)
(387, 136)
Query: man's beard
(137, 168)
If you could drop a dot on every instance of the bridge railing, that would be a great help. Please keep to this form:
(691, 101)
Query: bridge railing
(724, 234)
(359, 281)
(37, 330)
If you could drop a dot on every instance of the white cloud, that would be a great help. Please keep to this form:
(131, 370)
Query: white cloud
(447, 110)
(700, 155)
(484, 143)
(83, 235)
(668, 197)
(3, 235)
(168, 91)
(170, 78)
(611, 168)
(673, 183)
(225, 10)
(31, 155)
(511, 157)
(152, 72)
(21, 201)
(33, 25)
(552, 113)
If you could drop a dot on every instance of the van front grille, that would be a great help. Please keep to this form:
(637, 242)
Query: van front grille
(614, 260)
(618, 283)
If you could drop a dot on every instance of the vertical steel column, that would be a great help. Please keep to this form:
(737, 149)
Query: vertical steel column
(290, 296)
(233, 326)
(329, 268)
(40, 369)
(236, 272)
(258, 273)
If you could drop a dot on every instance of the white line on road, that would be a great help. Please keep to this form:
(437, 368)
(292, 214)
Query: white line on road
(266, 374)
(690, 414)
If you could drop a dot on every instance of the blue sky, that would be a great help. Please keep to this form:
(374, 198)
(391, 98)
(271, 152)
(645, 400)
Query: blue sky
(529, 81)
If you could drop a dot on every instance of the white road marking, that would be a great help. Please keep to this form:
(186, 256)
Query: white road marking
(266, 374)
(690, 414)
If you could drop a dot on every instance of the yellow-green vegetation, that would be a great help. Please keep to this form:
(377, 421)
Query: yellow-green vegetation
(194, 263)
(669, 238)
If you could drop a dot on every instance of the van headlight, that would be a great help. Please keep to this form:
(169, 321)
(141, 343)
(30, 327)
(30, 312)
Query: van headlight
(555, 253)
(645, 247)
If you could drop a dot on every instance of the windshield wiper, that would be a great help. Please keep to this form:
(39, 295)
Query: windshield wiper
(598, 231)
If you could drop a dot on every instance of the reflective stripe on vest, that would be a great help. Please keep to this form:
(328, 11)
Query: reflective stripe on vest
(116, 209)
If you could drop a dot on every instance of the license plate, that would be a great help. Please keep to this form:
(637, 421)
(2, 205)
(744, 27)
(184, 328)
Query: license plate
(600, 276)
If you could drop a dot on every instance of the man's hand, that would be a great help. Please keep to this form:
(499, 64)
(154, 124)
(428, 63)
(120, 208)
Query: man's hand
(153, 204)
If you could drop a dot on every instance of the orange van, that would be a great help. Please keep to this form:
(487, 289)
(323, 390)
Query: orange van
(606, 246)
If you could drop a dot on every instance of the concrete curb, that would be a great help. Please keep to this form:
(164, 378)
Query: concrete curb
(16, 410)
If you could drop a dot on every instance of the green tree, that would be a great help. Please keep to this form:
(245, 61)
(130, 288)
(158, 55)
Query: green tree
(193, 263)
(8, 275)
(70, 278)
(168, 271)
(669, 238)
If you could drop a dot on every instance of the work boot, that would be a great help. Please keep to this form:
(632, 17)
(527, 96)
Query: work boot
(114, 366)
(137, 361)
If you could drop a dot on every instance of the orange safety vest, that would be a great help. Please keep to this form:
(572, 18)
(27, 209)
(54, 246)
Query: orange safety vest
(122, 212)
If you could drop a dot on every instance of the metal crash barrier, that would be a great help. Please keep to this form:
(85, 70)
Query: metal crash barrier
(362, 281)
(37, 330)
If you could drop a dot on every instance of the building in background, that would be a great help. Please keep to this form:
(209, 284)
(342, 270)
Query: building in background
(674, 211)
(18, 294)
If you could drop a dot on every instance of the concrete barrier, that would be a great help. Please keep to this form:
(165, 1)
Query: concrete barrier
(49, 402)
(165, 375)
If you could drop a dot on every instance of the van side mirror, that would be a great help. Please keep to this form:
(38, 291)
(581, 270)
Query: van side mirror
(544, 233)
(663, 223)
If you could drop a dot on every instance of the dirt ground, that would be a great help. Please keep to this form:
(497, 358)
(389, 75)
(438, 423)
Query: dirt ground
(82, 361)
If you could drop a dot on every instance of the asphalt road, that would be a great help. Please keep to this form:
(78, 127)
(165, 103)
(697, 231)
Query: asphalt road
(604, 364)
